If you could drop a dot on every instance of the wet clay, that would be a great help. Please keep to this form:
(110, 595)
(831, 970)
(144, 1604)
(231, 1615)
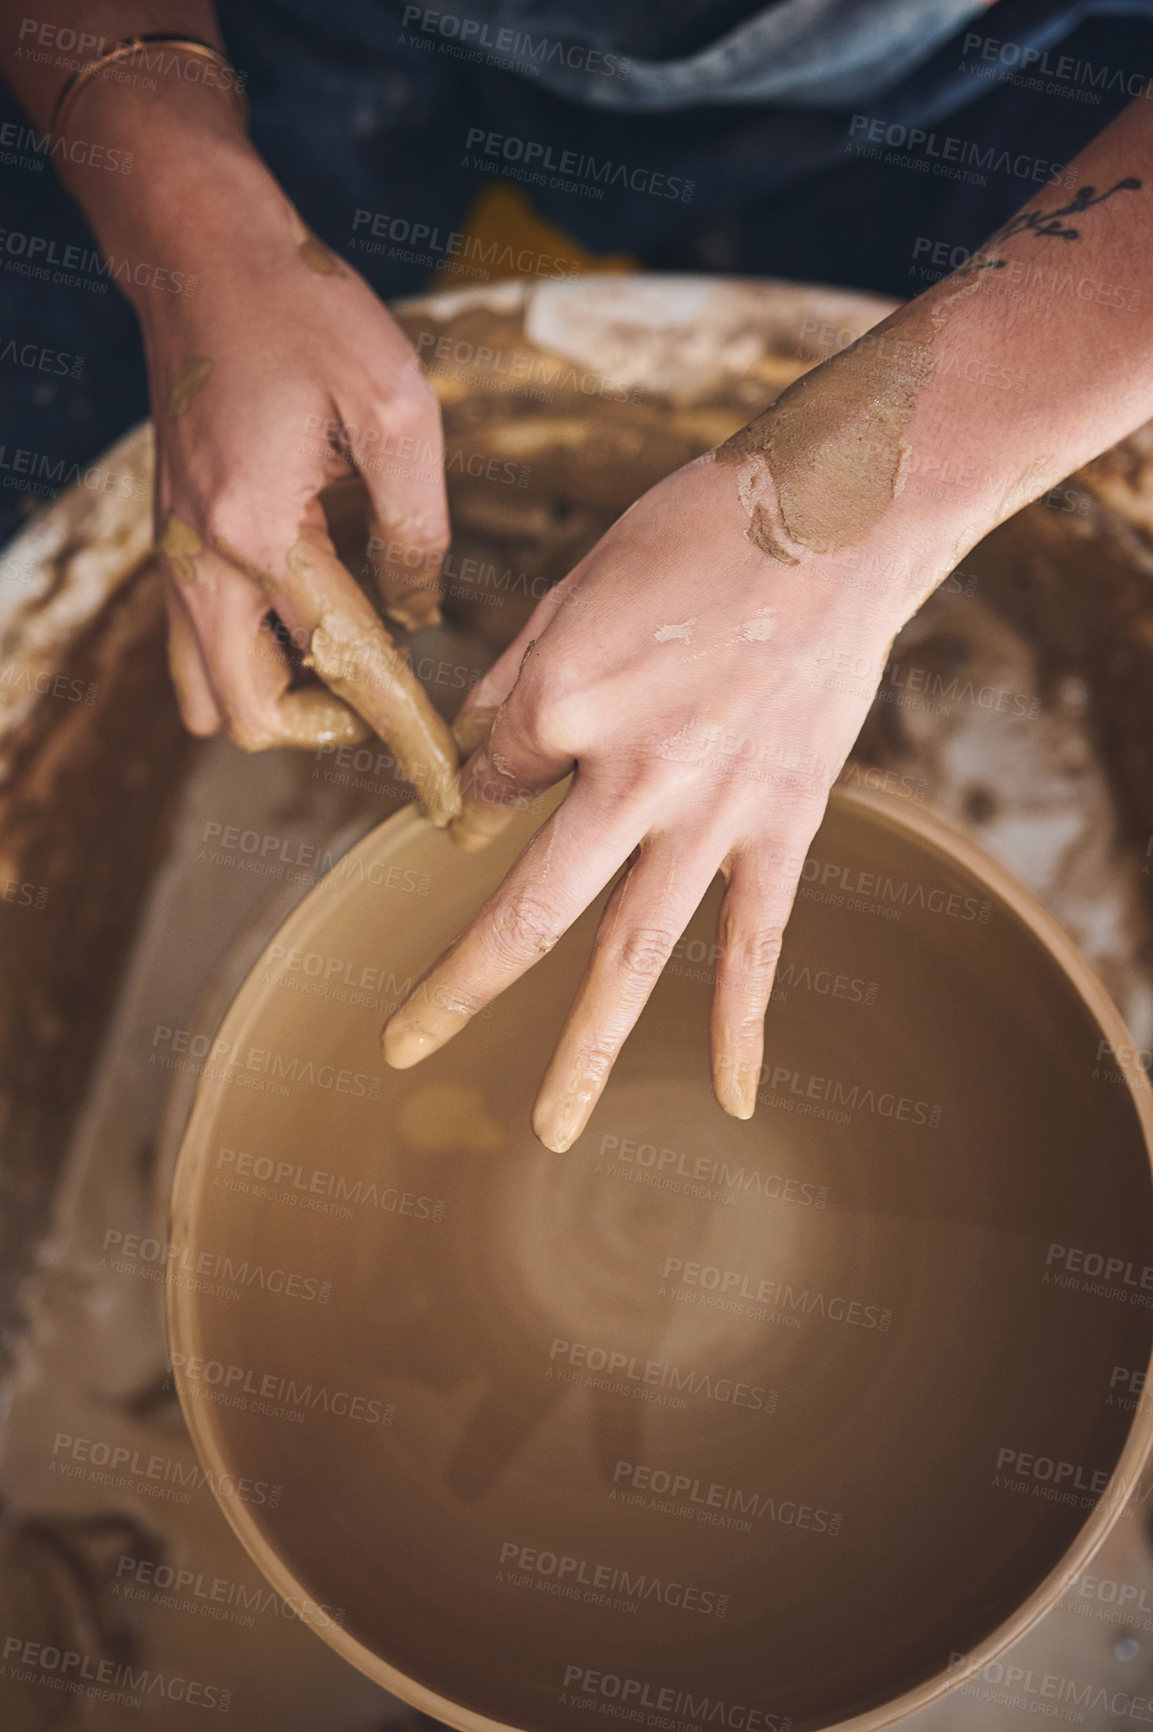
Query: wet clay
(353, 654)
(180, 545)
(317, 256)
(824, 462)
(188, 384)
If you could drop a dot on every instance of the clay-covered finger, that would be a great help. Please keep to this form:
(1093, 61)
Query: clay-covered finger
(408, 517)
(750, 930)
(352, 652)
(560, 871)
(647, 913)
(199, 710)
(249, 671)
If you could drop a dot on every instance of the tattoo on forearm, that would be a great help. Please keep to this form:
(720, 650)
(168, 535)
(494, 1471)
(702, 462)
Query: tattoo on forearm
(1047, 224)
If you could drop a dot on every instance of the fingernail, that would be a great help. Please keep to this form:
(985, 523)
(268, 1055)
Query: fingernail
(558, 1124)
(404, 1045)
(736, 1090)
(560, 1115)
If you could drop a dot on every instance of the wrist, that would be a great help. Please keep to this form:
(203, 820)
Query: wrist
(151, 155)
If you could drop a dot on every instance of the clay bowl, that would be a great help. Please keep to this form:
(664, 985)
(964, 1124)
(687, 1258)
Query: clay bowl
(704, 1422)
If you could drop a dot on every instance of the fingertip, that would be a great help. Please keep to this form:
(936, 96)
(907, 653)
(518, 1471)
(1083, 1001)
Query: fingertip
(403, 1046)
(556, 1138)
(476, 825)
(735, 1089)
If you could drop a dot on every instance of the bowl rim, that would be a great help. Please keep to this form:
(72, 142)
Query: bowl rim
(940, 836)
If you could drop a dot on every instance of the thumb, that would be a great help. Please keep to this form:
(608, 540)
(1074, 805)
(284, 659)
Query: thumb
(477, 714)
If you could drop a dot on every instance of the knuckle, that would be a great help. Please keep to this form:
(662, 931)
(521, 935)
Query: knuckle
(229, 519)
(595, 1059)
(549, 724)
(524, 929)
(411, 408)
(645, 951)
(752, 954)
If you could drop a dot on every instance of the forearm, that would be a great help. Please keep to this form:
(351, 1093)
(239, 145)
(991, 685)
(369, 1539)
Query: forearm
(976, 397)
(194, 172)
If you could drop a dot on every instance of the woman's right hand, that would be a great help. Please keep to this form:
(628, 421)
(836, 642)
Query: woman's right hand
(278, 374)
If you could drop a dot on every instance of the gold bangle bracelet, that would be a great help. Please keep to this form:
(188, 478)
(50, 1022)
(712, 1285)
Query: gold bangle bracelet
(188, 46)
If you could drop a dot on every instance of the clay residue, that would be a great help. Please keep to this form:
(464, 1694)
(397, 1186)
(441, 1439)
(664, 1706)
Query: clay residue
(824, 462)
(760, 628)
(180, 545)
(188, 384)
(317, 256)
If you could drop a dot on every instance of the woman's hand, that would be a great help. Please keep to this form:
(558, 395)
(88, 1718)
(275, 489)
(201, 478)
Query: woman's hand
(281, 375)
(277, 374)
(700, 689)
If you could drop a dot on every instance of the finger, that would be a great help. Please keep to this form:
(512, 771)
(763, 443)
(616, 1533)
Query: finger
(199, 710)
(517, 762)
(357, 659)
(252, 676)
(761, 886)
(408, 507)
(648, 910)
(476, 715)
(565, 865)
(248, 671)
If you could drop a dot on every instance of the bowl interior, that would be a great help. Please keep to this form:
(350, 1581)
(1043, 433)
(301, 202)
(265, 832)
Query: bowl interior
(703, 1416)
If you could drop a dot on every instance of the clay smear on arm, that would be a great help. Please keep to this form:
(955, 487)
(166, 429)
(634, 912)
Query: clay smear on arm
(188, 384)
(824, 462)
